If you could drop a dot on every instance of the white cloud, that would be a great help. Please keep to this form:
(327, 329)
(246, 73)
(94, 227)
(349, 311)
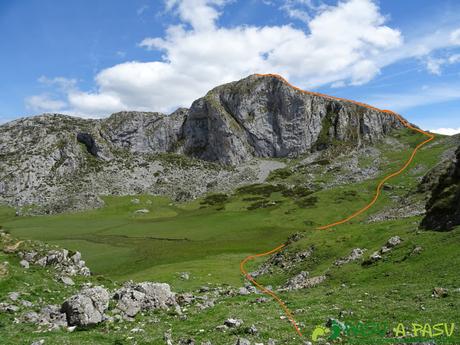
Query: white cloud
(64, 84)
(425, 95)
(454, 58)
(200, 14)
(446, 131)
(97, 104)
(434, 65)
(44, 103)
(198, 55)
(341, 45)
(455, 36)
(300, 9)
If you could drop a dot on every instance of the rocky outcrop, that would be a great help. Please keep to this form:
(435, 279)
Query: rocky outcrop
(263, 116)
(144, 132)
(385, 249)
(87, 307)
(50, 317)
(133, 298)
(283, 260)
(53, 163)
(302, 281)
(443, 208)
(62, 260)
(88, 140)
(355, 254)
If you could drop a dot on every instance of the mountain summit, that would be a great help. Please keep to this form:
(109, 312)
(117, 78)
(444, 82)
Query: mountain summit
(58, 160)
(263, 116)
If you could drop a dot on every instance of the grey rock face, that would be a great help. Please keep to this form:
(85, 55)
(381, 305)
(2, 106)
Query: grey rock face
(265, 117)
(87, 140)
(144, 132)
(61, 163)
(132, 298)
(44, 168)
(443, 208)
(87, 307)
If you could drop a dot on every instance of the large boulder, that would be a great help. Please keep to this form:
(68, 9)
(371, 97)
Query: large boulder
(87, 307)
(135, 297)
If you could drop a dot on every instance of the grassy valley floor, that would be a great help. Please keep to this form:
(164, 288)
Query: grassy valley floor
(209, 237)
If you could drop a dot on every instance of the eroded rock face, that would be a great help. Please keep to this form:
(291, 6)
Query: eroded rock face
(87, 307)
(443, 208)
(88, 140)
(133, 298)
(143, 132)
(265, 117)
(44, 165)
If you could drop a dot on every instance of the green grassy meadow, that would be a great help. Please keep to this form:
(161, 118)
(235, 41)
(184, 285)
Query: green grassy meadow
(209, 237)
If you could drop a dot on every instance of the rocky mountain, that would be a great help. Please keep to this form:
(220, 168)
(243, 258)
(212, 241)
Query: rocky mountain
(52, 162)
(443, 208)
(263, 116)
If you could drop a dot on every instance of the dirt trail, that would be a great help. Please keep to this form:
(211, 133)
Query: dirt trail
(350, 217)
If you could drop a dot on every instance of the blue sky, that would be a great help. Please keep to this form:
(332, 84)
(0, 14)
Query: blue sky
(94, 57)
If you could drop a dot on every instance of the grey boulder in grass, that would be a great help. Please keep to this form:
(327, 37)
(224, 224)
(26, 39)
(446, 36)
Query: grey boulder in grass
(87, 307)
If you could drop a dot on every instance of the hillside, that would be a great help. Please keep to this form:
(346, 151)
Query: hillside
(173, 208)
(53, 163)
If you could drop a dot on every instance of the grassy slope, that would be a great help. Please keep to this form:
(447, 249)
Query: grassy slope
(211, 242)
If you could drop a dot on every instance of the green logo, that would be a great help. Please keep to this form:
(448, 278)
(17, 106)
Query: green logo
(358, 332)
(319, 331)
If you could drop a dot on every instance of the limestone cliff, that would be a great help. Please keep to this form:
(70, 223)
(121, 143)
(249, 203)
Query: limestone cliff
(55, 162)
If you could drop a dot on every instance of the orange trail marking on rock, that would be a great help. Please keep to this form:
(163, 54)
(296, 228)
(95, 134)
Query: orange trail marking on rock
(350, 217)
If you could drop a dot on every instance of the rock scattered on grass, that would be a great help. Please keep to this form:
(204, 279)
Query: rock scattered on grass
(417, 250)
(388, 247)
(233, 323)
(38, 342)
(282, 260)
(355, 254)
(9, 308)
(60, 259)
(303, 281)
(135, 297)
(67, 281)
(14, 296)
(142, 211)
(87, 307)
(439, 292)
(252, 330)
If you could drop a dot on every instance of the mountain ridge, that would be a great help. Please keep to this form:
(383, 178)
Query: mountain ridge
(258, 117)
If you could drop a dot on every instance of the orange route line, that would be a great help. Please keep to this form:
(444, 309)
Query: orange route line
(378, 192)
